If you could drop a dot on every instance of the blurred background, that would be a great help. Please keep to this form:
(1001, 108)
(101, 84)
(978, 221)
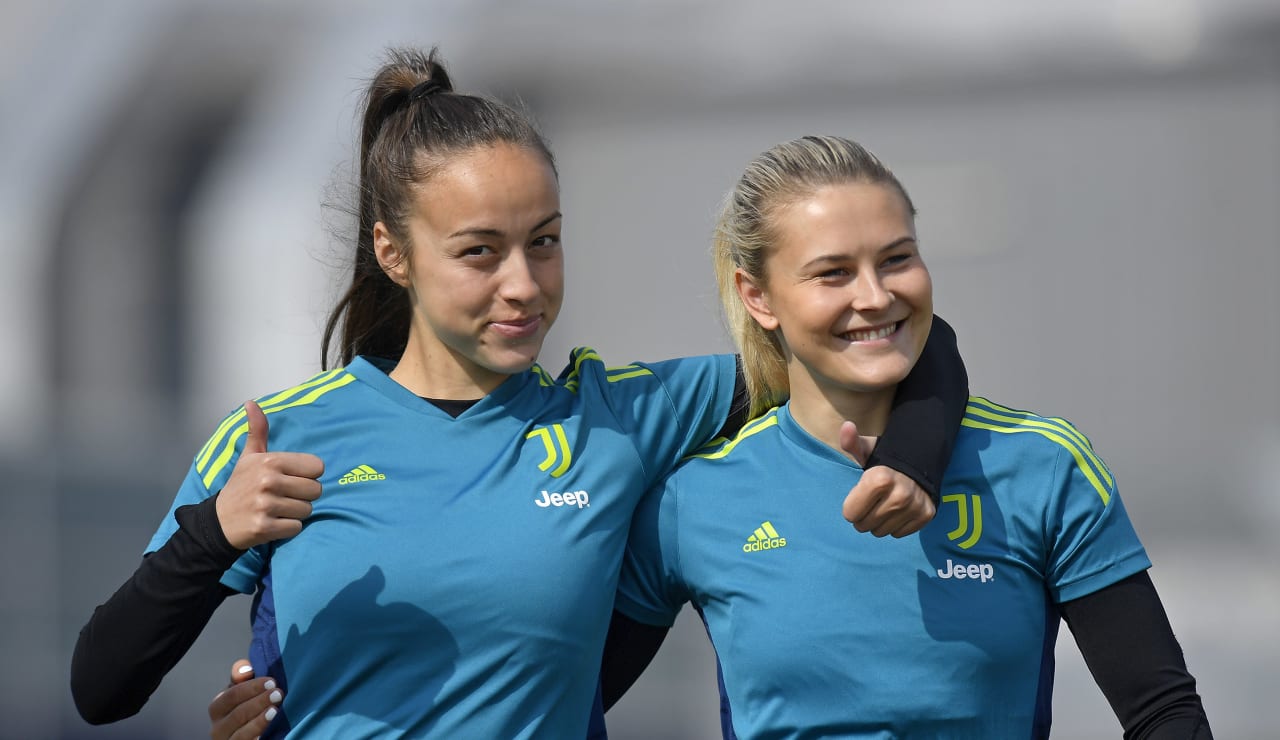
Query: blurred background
(1098, 185)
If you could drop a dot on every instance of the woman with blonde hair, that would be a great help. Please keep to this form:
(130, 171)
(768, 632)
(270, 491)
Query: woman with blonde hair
(948, 632)
(432, 531)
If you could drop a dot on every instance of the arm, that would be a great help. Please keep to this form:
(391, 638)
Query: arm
(927, 410)
(141, 632)
(134, 639)
(1125, 638)
(898, 491)
(628, 649)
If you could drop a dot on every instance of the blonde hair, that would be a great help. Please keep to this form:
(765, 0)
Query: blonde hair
(781, 176)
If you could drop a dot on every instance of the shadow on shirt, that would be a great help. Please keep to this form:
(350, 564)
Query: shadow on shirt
(360, 664)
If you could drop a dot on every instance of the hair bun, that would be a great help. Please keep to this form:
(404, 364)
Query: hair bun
(426, 88)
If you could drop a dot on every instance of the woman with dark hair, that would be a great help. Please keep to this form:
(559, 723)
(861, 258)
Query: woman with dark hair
(433, 530)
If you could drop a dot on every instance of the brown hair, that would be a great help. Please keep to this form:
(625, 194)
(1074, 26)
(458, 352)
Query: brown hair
(413, 124)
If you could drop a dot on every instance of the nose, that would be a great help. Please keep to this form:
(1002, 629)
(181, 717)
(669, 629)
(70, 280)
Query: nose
(518, 284)
(870, 293)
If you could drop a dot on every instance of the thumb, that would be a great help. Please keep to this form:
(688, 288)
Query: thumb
(857, 447)
(257, 441)
(241, 671)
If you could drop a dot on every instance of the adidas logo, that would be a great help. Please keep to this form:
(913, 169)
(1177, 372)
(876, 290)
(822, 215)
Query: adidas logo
(361, 474)
(764, 538)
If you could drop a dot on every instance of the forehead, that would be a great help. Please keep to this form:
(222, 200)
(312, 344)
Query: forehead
(843, 216)
(493, 181)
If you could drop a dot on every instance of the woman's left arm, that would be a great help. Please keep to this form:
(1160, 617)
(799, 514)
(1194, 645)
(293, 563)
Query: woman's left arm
(1127, 642)
(927, 409)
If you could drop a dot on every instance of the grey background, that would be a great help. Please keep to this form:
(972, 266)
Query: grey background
(1098, 185)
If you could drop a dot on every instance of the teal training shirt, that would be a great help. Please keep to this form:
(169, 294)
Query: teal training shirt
(457, 575)
(822, 631)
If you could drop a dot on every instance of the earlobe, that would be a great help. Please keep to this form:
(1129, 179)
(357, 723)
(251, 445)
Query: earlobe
(754, 299)
(390, 257)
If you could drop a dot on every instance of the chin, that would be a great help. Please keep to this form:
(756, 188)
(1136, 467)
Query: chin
(512, 364)
(887, 375)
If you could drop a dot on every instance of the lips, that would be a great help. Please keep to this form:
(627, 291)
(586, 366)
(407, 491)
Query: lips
(872, 334)
(517, 328)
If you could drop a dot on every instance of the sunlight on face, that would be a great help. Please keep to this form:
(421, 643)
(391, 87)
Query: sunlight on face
(846, 290)
(485, 271)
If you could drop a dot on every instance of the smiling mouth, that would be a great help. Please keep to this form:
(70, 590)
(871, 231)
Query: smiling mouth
(518, 328)
(867, 335)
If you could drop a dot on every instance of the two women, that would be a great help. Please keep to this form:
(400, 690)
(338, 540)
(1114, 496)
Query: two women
(433, 531)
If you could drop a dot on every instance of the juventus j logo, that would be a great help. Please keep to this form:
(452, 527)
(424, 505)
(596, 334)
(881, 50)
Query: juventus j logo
(963, 502)
(558, 453)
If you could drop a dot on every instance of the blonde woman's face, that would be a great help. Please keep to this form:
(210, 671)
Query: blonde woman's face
(846, 289)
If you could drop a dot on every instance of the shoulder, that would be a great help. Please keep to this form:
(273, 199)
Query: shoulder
(754, 434)
(586, 367)
(995, 421)
(1031, 442)
(283, 409)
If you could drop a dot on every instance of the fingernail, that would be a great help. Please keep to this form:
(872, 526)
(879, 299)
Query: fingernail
(270, 684)
(244, 669)
(275, 697)
(271, 714)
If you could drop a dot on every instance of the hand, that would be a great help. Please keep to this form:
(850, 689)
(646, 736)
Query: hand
(885, 501)
(243, 710)
(269, 493)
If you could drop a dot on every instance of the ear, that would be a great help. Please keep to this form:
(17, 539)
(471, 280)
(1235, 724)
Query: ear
(391, 258)
(755, 300)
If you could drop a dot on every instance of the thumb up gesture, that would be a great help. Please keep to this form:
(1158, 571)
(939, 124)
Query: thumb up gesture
(885, 501)
(269, 493)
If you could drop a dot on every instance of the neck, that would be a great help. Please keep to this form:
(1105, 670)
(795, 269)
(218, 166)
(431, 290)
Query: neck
(821, 410)
(432, 370)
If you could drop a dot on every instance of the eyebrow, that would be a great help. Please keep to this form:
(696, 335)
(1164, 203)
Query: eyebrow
(482, 231)
(838, 257)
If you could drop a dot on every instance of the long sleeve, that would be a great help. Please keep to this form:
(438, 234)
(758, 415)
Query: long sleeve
(145, 628)
(1126, 640)
(927, 410)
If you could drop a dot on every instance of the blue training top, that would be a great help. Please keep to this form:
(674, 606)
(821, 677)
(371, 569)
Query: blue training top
(825, 632)
(457, 575)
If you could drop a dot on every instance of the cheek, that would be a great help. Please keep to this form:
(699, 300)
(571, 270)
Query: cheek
(916, 288)
(551, 280)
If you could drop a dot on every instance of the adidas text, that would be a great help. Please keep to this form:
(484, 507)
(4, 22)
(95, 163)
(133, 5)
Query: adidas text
(359, 476)
(568, 498)
(978, 571)
(768, 544)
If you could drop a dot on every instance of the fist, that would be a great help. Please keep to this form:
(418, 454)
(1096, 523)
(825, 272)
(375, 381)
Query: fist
(269, 494)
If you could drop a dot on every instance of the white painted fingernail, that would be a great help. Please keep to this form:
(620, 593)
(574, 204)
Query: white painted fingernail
(270, 684)
(244, 669)
(275, 697)
(271, 714)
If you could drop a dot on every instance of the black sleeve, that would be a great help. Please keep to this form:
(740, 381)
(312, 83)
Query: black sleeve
(629, 647)
(927, 410)
(145, 628)
(739, 406)
(1125, 638)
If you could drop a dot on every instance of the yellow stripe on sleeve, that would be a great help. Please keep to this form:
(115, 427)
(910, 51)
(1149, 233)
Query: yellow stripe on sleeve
(994, 412)
(224, 456)
(215, 441)
(750, 428)
(1052, 434)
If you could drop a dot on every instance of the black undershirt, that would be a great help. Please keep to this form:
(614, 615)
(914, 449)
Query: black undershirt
(450, 406)
(131, 641)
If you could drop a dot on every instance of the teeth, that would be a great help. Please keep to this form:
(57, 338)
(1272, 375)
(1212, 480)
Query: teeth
(866, 336)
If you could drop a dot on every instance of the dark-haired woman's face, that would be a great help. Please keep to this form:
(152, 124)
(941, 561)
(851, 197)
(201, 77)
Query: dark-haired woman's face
(486, 268)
